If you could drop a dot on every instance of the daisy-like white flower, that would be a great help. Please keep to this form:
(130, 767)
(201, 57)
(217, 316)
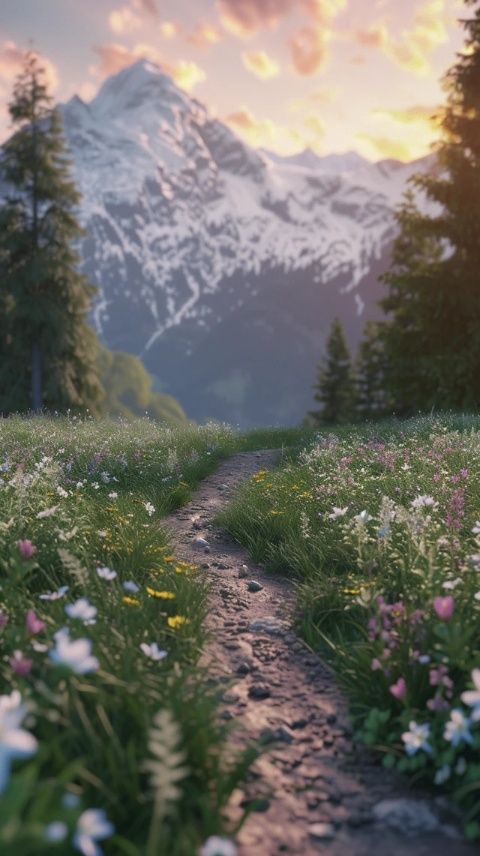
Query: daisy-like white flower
(113, 494)
(75, 654)
(106, 574)
(152, 651)
(424, 502)
(416, 738)
(92, 826)
(337, 512)
(217, 846)
(14, 741)
(149, 508)
(82, 610)
(48, 512)
(130, 587)
(476, 528)
(457, 728)
(54, 595)
(472, 697)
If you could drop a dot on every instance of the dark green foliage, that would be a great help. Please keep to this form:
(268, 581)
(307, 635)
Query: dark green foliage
(128, 390)
(335, 390)
(47, 350)
(370, 375)
(433, 299)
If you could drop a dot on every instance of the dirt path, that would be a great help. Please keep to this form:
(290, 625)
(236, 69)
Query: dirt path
(319, 793)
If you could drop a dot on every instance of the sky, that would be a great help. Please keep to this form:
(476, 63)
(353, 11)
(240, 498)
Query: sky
(330, 75)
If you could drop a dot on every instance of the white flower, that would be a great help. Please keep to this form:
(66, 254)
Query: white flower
(113, 495)
(149, 508)
(474, 560)
(476, 596)
(457, 728)
(337, 512)
(442, 774)
(472, 697)
(106, 574)
(105, 477)
(14, 741)
(75, 654)
(92, 826)
(130, 587)
(449, 585)
(153, 651)
(79, 485)
(55, 831)
(416, 738)
(54, 595)
(424, 502)
(83, 610)
(62, 492)
(48, 512)
(476, 528)
(362, 518)
(216, 846)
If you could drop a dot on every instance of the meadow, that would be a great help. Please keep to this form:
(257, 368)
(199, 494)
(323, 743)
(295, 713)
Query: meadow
(379, 529)
(109, 735)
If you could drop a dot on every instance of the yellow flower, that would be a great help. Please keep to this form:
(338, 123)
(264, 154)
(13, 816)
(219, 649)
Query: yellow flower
(163, 595)
(351, 591)
(169, 559)
(131, 601)
(177, 621)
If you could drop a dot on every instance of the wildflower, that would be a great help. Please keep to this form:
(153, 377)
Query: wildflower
(176, 621)
(20, 665)
(416, 738)
(376, 664)
(457, 728)
(62, 492)
(130, 586)
(54, 595)
(83, 610)
(472, 697)
(424, 502)
(476, 528)
(26, 549)
(113, 495)
(33, 624)
(48, 512)
(216, 846)
(362, 518)
(75, 654)
(55, 832)
(153, 651)
(14, 741)
(449, 585)
(3, 620)
(444, 607)
(149, 508)
(337, 512)
(106, 574)
(442, 774)
(92, 826)
(130, 601)
(162, 595)
(399, 689)
(476, 596)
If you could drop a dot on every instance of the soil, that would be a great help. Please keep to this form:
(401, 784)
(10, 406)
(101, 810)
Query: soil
(313, 790)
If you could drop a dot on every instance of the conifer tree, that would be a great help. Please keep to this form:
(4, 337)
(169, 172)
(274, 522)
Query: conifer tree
(335, 386)
(371, 374)
(433, 296)
(48, 352)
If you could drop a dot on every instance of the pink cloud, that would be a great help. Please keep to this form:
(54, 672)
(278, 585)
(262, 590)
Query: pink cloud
(114, 57)
(11, 63)
(246, 17)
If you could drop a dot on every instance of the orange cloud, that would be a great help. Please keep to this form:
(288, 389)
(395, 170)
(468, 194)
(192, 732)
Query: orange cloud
(123, 19)
(204, 35)
(412, 115)
(309, 47)
(169, 29)
(318, 98)
(385, 148)
(114, 57)
(260, 64)
(266, 133)
(412, 49)
(244, 18)
(11, 63)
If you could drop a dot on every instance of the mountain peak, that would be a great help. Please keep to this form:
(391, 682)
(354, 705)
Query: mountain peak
(134, 85)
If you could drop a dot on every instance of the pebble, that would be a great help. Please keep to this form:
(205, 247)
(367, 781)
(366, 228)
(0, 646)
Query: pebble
(243, 572)
(254, 586)
(269, 625)
(258, 692)
(411, 817)
(201, 544)
(321, 831)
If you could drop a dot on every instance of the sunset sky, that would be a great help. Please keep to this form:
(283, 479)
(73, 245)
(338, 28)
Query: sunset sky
(333, 75)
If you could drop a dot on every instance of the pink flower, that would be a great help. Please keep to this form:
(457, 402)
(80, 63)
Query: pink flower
(26, 549)
(20, 665)
(376, 664)
(3, 620)
(444, 607)
(33, 624)
(399, 689)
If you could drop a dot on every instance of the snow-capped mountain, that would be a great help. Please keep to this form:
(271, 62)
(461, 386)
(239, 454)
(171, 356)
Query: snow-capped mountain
(221, 266)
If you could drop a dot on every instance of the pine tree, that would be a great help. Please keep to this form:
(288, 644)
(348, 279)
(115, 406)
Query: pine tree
(434, 285)
(48, 352)
(371, 374)
(335, 387)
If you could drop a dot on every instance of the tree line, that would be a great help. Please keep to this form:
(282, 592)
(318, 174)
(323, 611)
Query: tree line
(425, 354)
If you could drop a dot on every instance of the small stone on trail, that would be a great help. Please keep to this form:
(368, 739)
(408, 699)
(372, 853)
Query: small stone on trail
(243, 572)
(201, 544)
(321, 831)
(269, 625)
(411, 817)
(253, 586)
(258, 692)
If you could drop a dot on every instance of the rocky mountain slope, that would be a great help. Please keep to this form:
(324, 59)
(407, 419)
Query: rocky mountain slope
(221, 266)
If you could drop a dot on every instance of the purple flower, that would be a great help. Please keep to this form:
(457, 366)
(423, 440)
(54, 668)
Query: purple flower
(33, 624)
(20, 665)
(26, 549)
(444, 607)
(398, 689)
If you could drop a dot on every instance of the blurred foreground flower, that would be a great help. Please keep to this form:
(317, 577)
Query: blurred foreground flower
(92, 826)
(14, 741)
(75, 654)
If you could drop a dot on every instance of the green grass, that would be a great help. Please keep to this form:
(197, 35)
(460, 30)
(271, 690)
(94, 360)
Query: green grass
(368, 584)
(101, 489)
